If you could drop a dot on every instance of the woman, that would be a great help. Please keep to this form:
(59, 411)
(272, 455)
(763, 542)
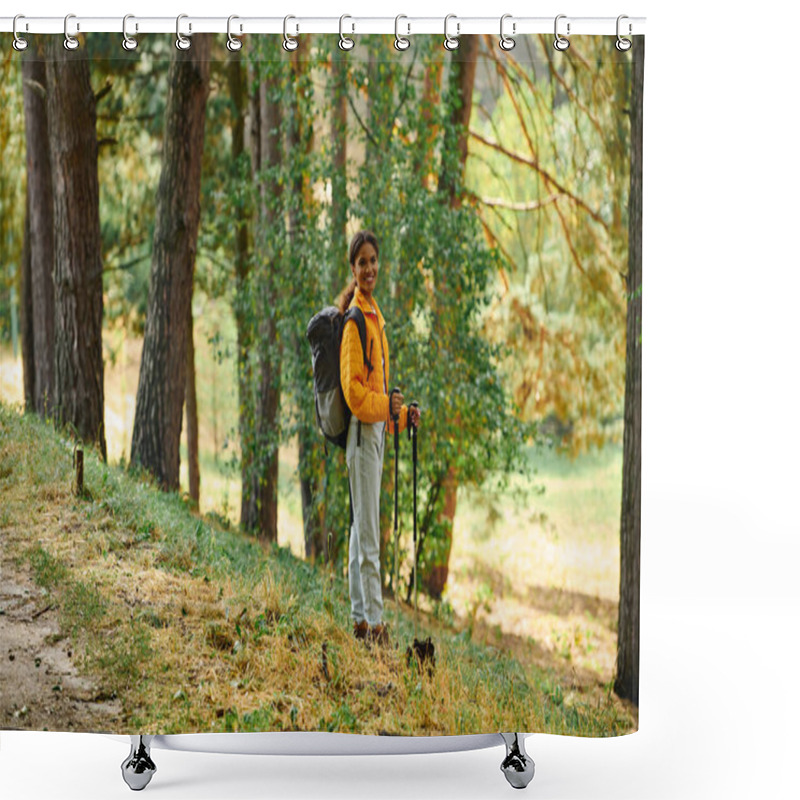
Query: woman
(365, 383)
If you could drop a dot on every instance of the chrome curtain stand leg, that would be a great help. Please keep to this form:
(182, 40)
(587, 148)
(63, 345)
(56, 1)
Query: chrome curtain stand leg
(138, 768)
(517, 766)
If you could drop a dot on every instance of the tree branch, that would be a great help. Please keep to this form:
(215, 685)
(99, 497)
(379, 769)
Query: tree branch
(403, 95)
(37, 87)
(534, 164)
(499, 216)
(572, 95)
(360, 121)
(496, 243)
(128, 264)
(579, 264)
(109, 85)
(497, 202)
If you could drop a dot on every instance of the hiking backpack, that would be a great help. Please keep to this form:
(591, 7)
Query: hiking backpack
(324, 333)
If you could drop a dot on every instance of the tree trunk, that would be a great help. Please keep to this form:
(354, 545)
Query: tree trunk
(454, 159)
(40, 216)
(269, 358)
(260, 429)
(424, 154)
(244, 338)
(626, 683)
(162, 374)
(26, 317)
(436, 574)
(310, 465)
(312, 530)
(78, 274)
(248, 517)
(192, 444)
(454, 150)
(339, 202)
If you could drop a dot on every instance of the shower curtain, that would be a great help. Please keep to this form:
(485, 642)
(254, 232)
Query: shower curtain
(177, 547)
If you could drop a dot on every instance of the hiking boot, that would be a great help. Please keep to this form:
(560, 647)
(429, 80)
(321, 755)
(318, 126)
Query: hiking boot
(361, 629)
(380, 634)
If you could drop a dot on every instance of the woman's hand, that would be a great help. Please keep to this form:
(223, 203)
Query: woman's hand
(396, 404)
(414, 416)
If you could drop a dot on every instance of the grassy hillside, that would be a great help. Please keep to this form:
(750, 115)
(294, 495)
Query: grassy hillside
(194, 627)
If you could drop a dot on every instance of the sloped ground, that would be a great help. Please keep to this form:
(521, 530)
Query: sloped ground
(177, 624)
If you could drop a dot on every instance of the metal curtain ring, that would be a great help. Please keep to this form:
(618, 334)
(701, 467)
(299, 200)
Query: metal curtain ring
(233, 44)
(19, 44)
(560, 42)
(400, 42)
(70, 42)
(128, 42)
(506, 42)
(289, 42)
(345, 43)
(623, 44)
(451, 42)
(182, 42)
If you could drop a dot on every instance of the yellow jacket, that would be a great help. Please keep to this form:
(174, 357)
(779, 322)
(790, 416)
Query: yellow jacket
(365, 391)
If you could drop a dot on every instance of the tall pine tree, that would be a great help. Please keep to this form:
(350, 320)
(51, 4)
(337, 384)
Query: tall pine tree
(162, 374)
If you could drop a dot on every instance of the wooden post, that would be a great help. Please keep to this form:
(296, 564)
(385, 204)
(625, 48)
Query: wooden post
(79, 471)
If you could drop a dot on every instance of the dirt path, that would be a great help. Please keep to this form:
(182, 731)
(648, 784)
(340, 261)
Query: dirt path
(40, 686)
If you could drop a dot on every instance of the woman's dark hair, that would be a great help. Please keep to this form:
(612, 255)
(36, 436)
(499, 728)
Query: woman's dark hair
(357, 242)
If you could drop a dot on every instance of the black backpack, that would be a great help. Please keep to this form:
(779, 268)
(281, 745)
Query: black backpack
(324, 333)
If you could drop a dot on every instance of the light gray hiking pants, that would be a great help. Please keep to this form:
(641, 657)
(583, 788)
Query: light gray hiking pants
(364, 467)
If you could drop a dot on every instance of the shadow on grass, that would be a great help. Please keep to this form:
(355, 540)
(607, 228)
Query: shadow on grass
(548, 599)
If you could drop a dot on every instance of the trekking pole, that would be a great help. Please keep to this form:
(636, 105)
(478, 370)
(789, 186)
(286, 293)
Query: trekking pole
(396, 420)
(412, 434)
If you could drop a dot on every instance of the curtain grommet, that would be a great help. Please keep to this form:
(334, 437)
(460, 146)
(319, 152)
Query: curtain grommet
(290, 43)
(128, 42)
(560, 43)
(182, 42)
(451, 42)
(345, 42)
(19, 44)
(401, 43)
(233, 44)
(70, 42)
(507, 42)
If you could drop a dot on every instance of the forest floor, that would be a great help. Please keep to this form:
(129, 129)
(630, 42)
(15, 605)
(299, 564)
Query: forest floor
(122, 609)
(41, 687)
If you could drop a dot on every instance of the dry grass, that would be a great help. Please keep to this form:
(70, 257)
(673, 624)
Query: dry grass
(196, 628)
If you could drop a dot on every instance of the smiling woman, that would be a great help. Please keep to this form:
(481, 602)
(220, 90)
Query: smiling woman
(365, 384)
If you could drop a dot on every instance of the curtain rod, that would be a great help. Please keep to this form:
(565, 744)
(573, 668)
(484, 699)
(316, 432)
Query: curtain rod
(406, 25)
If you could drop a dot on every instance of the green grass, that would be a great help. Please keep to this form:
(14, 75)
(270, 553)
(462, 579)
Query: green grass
(81, 604)
(558, 528)
(196, 627)
(594, 477)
